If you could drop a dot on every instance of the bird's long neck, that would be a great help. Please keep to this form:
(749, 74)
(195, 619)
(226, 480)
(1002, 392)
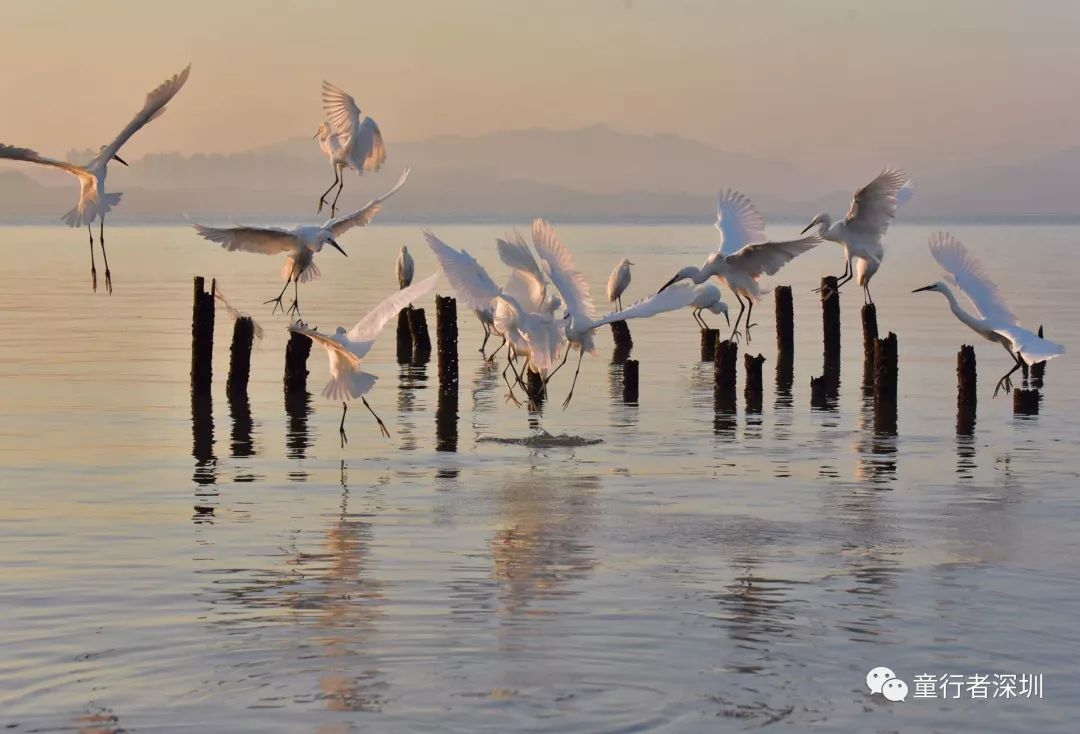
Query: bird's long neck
(960, 313)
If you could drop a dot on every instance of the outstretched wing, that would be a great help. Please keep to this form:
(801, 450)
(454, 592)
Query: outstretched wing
(874, 205)
(266, 240)
(341, 110)
(363, 216)
(674, 297)
(765, 258)
(330, 342)
(470, 281)
(560, 269)
(739, 222)
(12, 153)
(367, 328)
(963, 270)
(368, 150)
(152, 109)
(527, 281)
(1030, 346)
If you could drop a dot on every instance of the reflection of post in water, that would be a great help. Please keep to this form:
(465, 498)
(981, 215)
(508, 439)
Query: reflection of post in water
(446, 419)
(876, 448)
(202, 439)
(242, 425)
(298, 408)
(411, 379)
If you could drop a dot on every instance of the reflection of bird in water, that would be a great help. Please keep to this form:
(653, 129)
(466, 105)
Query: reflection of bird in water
(539, 546)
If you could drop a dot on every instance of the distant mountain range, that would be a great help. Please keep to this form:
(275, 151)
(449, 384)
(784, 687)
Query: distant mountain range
(588, 174)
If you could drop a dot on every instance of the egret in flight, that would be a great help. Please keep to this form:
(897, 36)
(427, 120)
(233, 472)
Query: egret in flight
(347, 141)
(472, 283)
(299, 244)
(404, 268)
(993, 319)
(861, 232)
(94, 201)
(707, 298)
(745, 255)
(619, 282)
(346, 349)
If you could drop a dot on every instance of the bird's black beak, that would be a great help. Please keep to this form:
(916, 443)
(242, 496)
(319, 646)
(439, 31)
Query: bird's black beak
(727, 318)
(118, 158)
(924, 288)
(338, 247)
(665, 285)
(807, 228)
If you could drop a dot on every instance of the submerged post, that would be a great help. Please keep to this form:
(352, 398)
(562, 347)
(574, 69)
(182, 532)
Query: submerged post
(296, 356)
(404, 337)
(630, 381)
(446, 337)
(830, 316)
(725, 374)
(202, 337)
(421, 340)
(623, 342)
(869, 337)
(243, 337)
(966, 392)
(754, 389)
(1025, 402)
(709, 337)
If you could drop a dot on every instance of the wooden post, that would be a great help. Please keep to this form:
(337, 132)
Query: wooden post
(202, 337)
(243, 337)
(820, 393)
(623, 343)
(1025, 402)
(886, 369)
(966, 391)
(830, 315)
(785, 327)
(404, 337)
(725, 374)
(869, 337)
(296, 355)
(534, 388)
(446, 337)
(1038, 370)
(630, 381)
(421, 340)
(754, 390)
(709, 337)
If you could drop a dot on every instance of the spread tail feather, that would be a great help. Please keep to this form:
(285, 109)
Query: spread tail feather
(84, 214)
(349, 385)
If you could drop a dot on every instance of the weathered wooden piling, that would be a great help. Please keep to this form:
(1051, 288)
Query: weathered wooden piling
(709, 338)
(754, 389)
(404, 337)
(421, 340)
(725, 374)
(830, 317)
(870, 337)
(202, 337)
(535, 389)
(623, 342)
(243, 337)
(1025, 402)
(630, 381)
(785, 325)
(296, 356)
(820, 392)
(966, 377)
(446, 338)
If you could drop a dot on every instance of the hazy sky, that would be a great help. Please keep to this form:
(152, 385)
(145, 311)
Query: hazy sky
(917, 83)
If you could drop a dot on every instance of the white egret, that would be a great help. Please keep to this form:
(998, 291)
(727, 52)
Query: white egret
(347, 141)
(94, 201)
(346, 349)
(861, 232)
(405, 267)
(299, 244)
(527, 282)
(469, 279)
(745, 255)
(994, 320)
(707, 298)
(619, 282)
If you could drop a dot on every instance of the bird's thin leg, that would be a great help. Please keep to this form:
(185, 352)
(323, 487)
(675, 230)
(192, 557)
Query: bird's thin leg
(510, 397)
(491, 357)
(93, 268)
(573, 383)
(277, 301)
(322, 199)
(848, 273)
(742, 307)
(382, 426)
(333, 204)
(619, 299)
(101, 241)
(867, 298)
(341, 428)
(295, 307)
(749, 311)
(552, 373)
(487, 335)
(1005, 382)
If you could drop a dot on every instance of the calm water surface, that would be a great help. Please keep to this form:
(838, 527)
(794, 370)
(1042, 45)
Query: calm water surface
(693, 571)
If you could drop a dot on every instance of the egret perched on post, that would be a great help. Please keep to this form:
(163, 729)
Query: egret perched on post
(994, 320)
(745, 255)
(707, 298)
(346, 349)
(347, 141)
(94, 201)
(404, 267)
(861, 232)
(619, 282)
(299, 244)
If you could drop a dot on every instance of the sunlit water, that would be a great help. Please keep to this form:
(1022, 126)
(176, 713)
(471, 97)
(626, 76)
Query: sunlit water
(689, 572)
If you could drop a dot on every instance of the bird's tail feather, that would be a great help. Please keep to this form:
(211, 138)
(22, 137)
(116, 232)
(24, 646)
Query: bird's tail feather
(87, 212)
(349, 385)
